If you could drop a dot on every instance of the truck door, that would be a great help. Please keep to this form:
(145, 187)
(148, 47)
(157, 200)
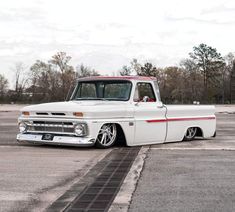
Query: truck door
(150, 115)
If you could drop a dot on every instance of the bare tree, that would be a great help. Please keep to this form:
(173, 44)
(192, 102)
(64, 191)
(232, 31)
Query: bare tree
(125, 71)
(228, 76)
(40, 81)
(233, 83)
(21, 80)
(3, 86)
(148, 69)
(84, 71)
(193, 80)
(46, 82)
(135, 66)
(61, 62)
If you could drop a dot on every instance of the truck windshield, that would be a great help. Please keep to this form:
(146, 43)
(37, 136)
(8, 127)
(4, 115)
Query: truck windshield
(103, 90)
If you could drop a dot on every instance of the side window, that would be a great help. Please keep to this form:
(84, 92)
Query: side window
(144, 89)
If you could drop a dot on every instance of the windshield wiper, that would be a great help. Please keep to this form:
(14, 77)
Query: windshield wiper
(117, 99)
(88, 98)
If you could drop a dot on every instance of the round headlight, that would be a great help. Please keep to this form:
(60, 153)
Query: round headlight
(79, 130)
(22, 127)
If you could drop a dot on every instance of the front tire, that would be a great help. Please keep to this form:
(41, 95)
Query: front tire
(190, 134)
(107, 136)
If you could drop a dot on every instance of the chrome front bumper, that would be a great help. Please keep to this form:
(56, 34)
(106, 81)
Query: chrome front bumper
(57, 140)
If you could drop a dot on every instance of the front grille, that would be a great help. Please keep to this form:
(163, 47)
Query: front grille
(42, 114)
(58, 114)
(53, 113)
(52, 127)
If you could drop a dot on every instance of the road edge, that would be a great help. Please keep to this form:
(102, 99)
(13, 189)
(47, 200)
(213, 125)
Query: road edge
(123, 199)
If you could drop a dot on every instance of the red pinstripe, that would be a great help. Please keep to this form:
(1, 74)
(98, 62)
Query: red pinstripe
(180, 119)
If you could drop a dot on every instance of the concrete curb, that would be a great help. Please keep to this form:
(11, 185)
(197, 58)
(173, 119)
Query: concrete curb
(123, 199)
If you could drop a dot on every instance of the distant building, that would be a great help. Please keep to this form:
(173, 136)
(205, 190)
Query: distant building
(233, 84)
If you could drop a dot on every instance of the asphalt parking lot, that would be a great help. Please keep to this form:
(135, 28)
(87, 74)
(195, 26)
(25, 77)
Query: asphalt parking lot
(187, 176)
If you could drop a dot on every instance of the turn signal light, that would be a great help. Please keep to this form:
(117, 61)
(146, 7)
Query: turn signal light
(78, 114)
(25, 113)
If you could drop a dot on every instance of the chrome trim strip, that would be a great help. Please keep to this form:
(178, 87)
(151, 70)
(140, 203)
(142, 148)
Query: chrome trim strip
(52, 132)
(57, 140)
(51, 125)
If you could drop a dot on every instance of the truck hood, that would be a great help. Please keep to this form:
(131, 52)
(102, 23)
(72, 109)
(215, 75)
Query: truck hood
(90, 109)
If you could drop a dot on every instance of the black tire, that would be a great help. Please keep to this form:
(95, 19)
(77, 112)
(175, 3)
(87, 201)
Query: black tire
(107, 136)
(190, 134)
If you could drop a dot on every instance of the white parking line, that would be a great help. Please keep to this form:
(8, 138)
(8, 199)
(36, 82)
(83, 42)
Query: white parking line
(192, 148)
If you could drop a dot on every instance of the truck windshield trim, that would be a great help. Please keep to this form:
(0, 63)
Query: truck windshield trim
(115, 90)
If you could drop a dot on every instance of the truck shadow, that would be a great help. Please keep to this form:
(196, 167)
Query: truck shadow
(73, 148)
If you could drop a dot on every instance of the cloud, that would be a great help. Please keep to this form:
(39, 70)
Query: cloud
(105, 63)
(107, 34)
(201, 20)
(13, 51)
(218, 9)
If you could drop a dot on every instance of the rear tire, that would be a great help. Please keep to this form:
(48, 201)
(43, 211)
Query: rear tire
(107, 136)
(190, 134)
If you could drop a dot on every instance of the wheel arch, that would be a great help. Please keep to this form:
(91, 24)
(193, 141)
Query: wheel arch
(199, 132)
(121, 135)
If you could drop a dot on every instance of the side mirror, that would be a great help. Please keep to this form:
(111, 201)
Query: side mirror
(145, 99)
(160, 105)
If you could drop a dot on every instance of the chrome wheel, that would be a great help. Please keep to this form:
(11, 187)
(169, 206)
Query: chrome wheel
(107, 136)
(190, 134)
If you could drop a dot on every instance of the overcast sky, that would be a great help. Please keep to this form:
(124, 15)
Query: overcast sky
(107, 34)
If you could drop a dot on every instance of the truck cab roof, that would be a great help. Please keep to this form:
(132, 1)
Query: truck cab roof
(135, 78)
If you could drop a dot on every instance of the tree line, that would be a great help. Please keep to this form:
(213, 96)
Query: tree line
(205, 76)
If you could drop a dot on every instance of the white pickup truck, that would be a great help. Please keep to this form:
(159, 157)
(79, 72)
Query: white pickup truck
(104, 110)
